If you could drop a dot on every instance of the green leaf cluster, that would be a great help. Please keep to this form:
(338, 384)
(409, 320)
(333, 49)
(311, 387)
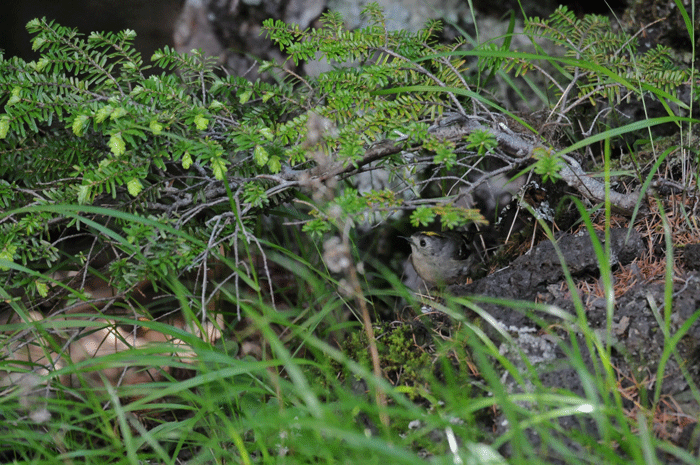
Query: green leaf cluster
(351, 97)
(190, 147)
(197, 150)
(609, 61)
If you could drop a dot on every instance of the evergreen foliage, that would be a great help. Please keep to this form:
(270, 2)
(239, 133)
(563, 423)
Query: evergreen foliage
(195, 148)
(206, 153)
(610, 65)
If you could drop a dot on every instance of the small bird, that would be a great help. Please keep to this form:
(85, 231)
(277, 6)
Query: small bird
(441, 258)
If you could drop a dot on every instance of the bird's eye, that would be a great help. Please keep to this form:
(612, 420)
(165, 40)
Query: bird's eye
(423, 243)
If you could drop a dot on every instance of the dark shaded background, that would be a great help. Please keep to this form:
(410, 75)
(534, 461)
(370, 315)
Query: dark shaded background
(152, 20)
